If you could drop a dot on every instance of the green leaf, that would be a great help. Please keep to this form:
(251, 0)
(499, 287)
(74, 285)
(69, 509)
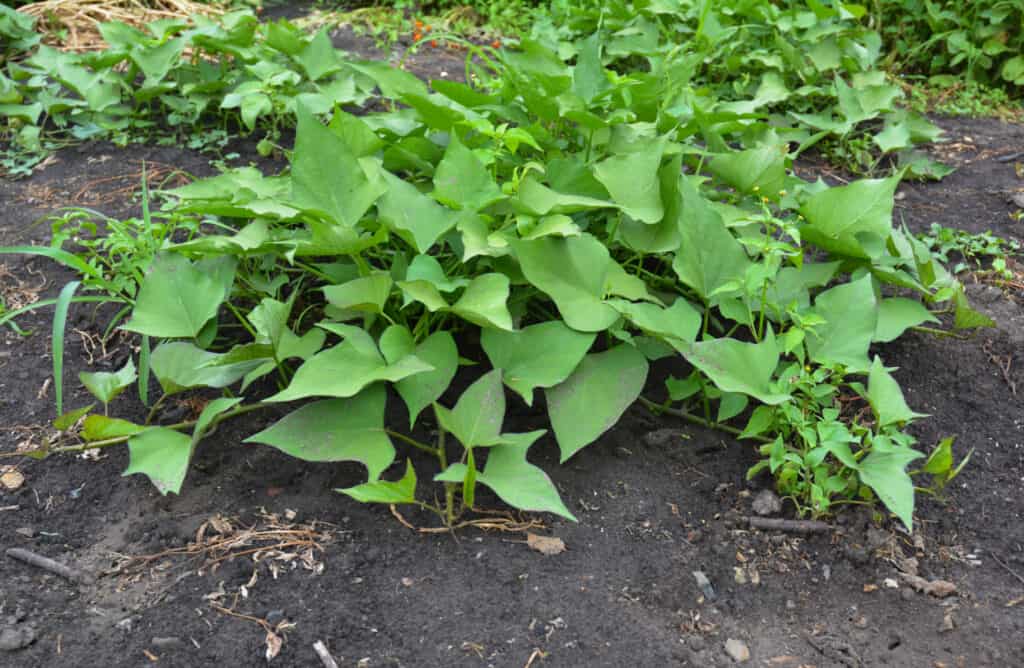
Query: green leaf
(385, 491)
(709, 256)
(101, 427)
(177, 297)
(541, 355)
(573, 272)
(761, 170)
(366, 294)
(318, 57)
(885, 473)
(516, 481)
(345, 369)
(438, 350)
(590, 401)
(209, 414)
(886, 397)
(335, 430)
(161, 454)
(851, 315)
(835, 217)
(679, 322)
(940, 461)
(484, 302)
(105, 386)
(898, 314)
(462, 181)
(60, 318)
(966, 317)
(412, 215)
(632, 180)
(479, 413)
(68, 420)
(738, 366)
(327, 176)
(180, 365)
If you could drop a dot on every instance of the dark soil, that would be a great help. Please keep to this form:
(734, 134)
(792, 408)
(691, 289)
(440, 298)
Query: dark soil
(654, 506)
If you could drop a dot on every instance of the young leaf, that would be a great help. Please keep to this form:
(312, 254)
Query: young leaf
(517, 482)
(364, 294)
(101, 427)
(541, 355)
(334, 430)
(177, 298)
(438, 350)
(105, 386)
(590, 401)
(68, 420)
(385, 491)
(179, 366)
(479, 413)
(709, 256)
(161, 454)
(886, 397)
(60, 317)
(940, 461)
(966, 317)
(210, 413)
(484, 302)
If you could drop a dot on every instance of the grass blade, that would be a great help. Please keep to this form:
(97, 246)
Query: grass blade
(144, 371)
(57, 255)
(60, 318)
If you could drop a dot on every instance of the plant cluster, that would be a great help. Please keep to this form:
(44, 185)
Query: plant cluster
(969, 250)
(981, 40)
(578, 219)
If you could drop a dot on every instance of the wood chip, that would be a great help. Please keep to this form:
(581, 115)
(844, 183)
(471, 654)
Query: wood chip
(549, 545)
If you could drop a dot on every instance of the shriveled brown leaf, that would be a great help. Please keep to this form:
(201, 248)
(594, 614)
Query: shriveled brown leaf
(548, 545)
(273, 645)
(936, 588)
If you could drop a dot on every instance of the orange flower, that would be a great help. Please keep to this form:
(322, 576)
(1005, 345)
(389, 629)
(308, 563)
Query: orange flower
(418, 24)
(433, 43)
(427, 28)
(416, 36)
(496, 44)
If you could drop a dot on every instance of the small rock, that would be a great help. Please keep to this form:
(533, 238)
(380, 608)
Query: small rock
(696, 643)
(166, 643)
(15, 638)
(27, 532)
(790, 604)
(737, 649)
(766, 503)
(623, 452)
(907, 594)
(125, 624)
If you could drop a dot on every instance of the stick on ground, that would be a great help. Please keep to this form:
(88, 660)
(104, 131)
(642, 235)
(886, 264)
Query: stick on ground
(791, 526)
(325, 657)
(47, 564)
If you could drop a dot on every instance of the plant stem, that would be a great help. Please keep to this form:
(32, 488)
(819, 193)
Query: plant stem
(413, 442)
(939, 332)
(695, 419)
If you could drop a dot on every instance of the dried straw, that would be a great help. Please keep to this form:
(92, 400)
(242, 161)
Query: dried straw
(73, 25)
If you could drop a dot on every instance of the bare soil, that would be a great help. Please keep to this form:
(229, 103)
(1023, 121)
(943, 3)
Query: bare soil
(654, 506)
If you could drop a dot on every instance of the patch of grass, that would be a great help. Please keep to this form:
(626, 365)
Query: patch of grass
(950, 97)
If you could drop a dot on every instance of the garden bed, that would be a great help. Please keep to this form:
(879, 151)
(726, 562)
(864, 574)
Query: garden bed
(657, 499)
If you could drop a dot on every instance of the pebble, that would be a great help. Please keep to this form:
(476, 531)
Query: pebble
(696, 643)
(737, 649)
(15, 638)
(166, 643)
(766, 503)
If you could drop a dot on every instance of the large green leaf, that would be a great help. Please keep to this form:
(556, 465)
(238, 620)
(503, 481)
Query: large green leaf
(438, 350)
(327, 177)
(484, 302)
(761, 170)
(541, 355)
(709, 257)
(885, 473)
(479, 413)
(573, 272)
(886, 397)
(180, 365)
(365, 294)
(851, 315)
(412, 215)
(897, 314)
(838, 216)
(590, 401)
(335, 430)
(516, 481)
(738, 366)
(385, 491)
(345, 369)
(462, 181)
(178, 297)
(163, 455)
(632, 180)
